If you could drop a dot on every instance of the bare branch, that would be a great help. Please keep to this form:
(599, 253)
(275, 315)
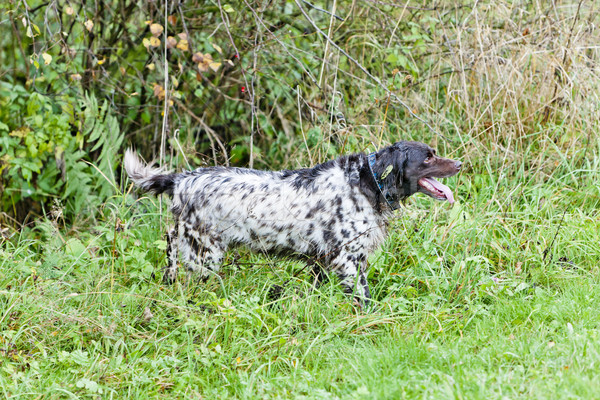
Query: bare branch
(366, 72)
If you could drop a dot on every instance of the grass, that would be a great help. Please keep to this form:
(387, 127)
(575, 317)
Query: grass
(496, 297)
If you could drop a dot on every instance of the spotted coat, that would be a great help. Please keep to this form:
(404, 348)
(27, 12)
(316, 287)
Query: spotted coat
(334, 213)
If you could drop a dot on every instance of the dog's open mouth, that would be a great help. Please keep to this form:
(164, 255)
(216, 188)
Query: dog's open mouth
(435, 189)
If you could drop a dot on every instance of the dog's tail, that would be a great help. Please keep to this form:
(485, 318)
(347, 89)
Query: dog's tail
(153, 180)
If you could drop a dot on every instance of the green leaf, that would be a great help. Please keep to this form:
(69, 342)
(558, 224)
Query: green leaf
(75, 248)
(160, 244)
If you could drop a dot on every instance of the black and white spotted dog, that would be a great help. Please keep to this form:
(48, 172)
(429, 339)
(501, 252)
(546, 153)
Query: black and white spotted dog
(336, 213)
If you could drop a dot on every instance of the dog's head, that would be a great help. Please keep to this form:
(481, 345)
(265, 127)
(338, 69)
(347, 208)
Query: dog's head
(406, 168)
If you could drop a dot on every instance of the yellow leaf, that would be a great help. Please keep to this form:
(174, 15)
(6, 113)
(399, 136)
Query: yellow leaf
(182, 36)
(100, 62)
(146, 42)
(148, 22)
(217, 48)
(183, 45)
(89, 25)
(154, 41)
(150, 66)
(175, 81)
(156, 29)
(69, 10)
(47, 58)
(214, 66)
(21, 132)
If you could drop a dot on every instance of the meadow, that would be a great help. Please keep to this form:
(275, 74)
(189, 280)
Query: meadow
(495, 297)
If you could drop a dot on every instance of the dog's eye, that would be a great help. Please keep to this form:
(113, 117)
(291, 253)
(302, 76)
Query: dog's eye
(428, 160)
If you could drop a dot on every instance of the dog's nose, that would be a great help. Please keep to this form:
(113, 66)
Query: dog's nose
(458, 164)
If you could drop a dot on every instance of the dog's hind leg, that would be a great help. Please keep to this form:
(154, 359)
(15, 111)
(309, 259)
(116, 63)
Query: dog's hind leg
(201, 253)
(170, 274)
(319, 274)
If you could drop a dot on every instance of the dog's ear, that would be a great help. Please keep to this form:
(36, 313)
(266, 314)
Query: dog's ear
(390, 171)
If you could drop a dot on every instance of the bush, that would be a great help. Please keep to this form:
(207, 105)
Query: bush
(55, 150)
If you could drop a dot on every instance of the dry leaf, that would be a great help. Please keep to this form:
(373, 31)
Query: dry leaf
(69, 10)
(146, 42)
(182, 36)
(159, 91)
(214, 66)
(147, 315)
(217, 48)
(204, 61)
(172, 19)
(171, 42)
(183, 45)
(518, 268)
(197, 57)
(156, 29)
(89, 25)
(76, 77)
(47, 58)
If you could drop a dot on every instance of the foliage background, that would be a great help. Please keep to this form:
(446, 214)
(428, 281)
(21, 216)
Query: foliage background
(260, 84)
(493, 298)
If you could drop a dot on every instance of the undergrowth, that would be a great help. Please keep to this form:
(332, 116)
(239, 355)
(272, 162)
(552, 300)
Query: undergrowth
(494, 297)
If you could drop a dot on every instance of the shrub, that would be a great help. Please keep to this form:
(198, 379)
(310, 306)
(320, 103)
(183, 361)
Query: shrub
(55, 150)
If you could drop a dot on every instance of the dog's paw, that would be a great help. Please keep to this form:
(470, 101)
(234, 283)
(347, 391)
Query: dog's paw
(169, 278)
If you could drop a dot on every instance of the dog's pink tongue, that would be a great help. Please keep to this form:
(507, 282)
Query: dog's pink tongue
(442, 188)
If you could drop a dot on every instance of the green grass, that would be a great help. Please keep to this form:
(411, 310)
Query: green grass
(496, 297)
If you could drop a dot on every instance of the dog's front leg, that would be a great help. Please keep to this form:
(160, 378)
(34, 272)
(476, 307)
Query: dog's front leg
(351, 269)
(362, 293)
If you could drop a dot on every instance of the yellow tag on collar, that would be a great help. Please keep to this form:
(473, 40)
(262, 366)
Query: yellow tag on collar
(387, 171)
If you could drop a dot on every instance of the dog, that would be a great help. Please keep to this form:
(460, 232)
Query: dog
(335, 213)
